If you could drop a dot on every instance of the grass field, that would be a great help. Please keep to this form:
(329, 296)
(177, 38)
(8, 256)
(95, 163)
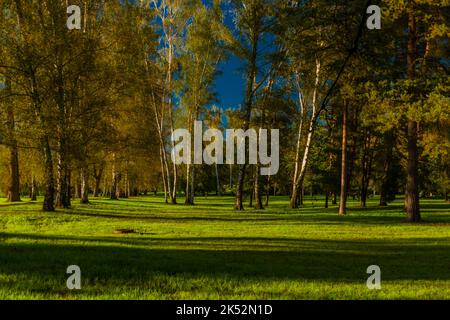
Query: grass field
(212, 252)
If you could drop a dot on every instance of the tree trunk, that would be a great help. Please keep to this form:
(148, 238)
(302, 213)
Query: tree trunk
(187, 201)
(14, 176)
(192, 194)
(351, 156)
(218, 191)
(14, 184)
(114, 181)
(389, 142)
(238, 205)
(267, 191)
(299, 178)
(295, 195)
(84, 185)
(173, 195)
(33, 196)
(77, 187)
(365, 169)
(69, 186)
(250, 199)
(249, 95)
(295, 186)
(302, 195)
(97, 179)
(126, 192)
(231, 177)
(190, 180)
(62, 196)
(368, 169)
(163, 173)
(383, 196)
(49, 197)
(412, 183)
(159, 120)
(412, 180)
(363, 195)
(343, 197)
(257, 189)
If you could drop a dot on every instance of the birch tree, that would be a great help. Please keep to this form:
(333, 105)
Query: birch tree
(173, 19)
(202, 52)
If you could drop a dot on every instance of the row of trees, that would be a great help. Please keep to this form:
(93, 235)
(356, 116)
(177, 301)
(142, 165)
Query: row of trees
(93, 110)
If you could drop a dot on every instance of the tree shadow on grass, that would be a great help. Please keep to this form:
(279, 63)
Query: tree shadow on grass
(128, 259)
(19, 203)
(308, 217)
(399, 207)
(162, 217)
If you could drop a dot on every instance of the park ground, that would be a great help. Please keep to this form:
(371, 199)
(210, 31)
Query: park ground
(209, 251)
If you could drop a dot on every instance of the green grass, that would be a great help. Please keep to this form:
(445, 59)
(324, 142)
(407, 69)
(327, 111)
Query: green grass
(212, 252)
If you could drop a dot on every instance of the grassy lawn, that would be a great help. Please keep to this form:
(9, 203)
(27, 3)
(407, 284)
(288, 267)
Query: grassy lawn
(212, 252)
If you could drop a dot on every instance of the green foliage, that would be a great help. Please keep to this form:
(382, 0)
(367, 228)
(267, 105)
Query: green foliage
(108, 96)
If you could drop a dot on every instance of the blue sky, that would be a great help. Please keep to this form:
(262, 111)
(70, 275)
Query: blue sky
(230, 84)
